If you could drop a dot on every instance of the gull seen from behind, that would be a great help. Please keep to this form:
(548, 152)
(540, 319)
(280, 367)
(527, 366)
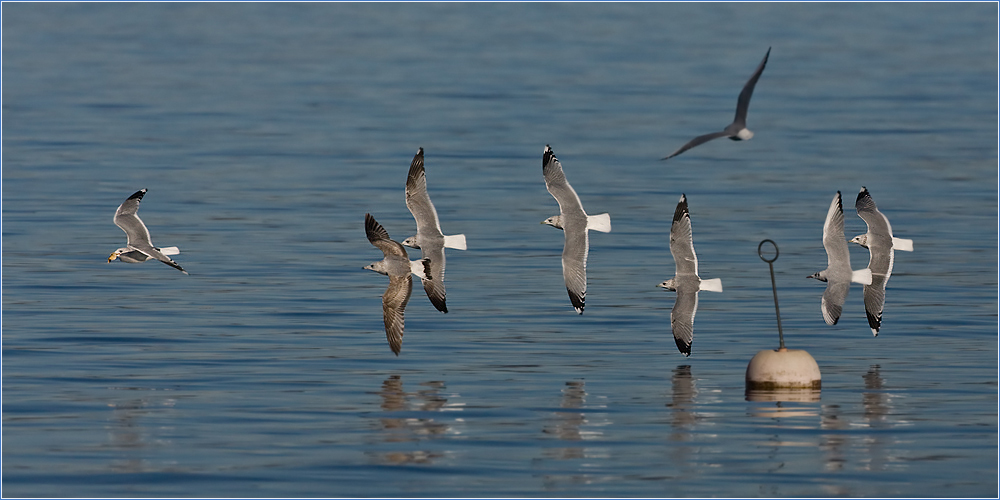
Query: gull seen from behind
(838, 274)
(140, 247)
(575, 224)
(398, 267)
(737, 130)
(686, 281)
(429, 238)
(881, 244)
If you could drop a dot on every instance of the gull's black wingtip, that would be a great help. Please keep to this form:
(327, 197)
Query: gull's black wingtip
(683, 347)
(138, 194)
(548, 155)
(863, 193)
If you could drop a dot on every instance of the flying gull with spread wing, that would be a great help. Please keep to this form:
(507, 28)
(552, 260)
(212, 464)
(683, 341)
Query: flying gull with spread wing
(429, 238)
(881, 244)
(737, 130)
(576, 224)
(139, 246)
(838, 274)
(686, 281)
(398, 267)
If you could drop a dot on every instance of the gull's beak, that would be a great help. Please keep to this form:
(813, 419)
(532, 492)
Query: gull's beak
(112, 257)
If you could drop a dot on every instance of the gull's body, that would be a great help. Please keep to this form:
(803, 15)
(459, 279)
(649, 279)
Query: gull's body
(737, 130)
(838, 274)
(575, 224)
(881, 244)
(140, 246)
(686, 281)
(398, 267)
(429, 238)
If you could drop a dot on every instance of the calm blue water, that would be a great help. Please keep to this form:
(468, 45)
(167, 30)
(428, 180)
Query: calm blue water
(264, 132)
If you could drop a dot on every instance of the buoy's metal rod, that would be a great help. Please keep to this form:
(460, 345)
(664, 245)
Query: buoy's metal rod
(774, 287)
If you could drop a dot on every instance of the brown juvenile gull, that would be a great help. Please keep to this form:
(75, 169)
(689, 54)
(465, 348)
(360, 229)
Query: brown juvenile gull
(140, 247)
(737, 130)
(576, 224)
(398, 267)
(881, 244)
(429, 238)
(685, 282)
(838, 274)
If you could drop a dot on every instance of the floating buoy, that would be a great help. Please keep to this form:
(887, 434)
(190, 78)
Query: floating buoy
(782, 368)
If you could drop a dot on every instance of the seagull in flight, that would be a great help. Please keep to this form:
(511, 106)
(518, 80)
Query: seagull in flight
(881, 244)
(429, 238)
(398, 267)
(575, 223)
(139, 248)
(685, 282)
(737, 130)
(838, 274)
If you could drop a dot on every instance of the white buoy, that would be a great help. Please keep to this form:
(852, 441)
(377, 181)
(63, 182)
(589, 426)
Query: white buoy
(781, 368)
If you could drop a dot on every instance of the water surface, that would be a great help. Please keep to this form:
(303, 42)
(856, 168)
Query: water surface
(265, 132)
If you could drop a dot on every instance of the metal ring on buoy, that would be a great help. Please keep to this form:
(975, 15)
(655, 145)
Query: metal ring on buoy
(761, 255)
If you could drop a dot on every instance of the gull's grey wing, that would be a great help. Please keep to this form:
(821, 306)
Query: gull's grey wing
(557, 185)
(833, 301)
(682, 242)
(837, 254)
(127, 219)
(574, 263)
(393, 303)
(743, 102)
(701, 139)
(875, 301)
(878, 224)
(379, 237)
(434, 287)
(879, 235)
(156, 254)
(417, 199)
(682, 318)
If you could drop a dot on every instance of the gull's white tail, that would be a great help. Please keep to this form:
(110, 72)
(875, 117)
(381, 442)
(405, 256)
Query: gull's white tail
(170, 250)
(600, 222)
(902, 244)
(863, 276)
(712, 285)
(456, 241)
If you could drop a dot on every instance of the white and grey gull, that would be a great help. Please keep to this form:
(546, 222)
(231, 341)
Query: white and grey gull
(737, 130)
(398, 267)
(139, 244)
(686, 281)
(881, 245)
(838, 274)
(576, 224)
(429, 238)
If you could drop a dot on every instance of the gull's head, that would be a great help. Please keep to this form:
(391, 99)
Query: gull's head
(861, 239)
(744, 134)
(817, 276)
(378, 267)
(115, 254)
(554, 221)
(410, 242)
(669, 285)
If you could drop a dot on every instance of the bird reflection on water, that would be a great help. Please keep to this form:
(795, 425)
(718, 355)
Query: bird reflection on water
(413, 429)
(574, 423)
